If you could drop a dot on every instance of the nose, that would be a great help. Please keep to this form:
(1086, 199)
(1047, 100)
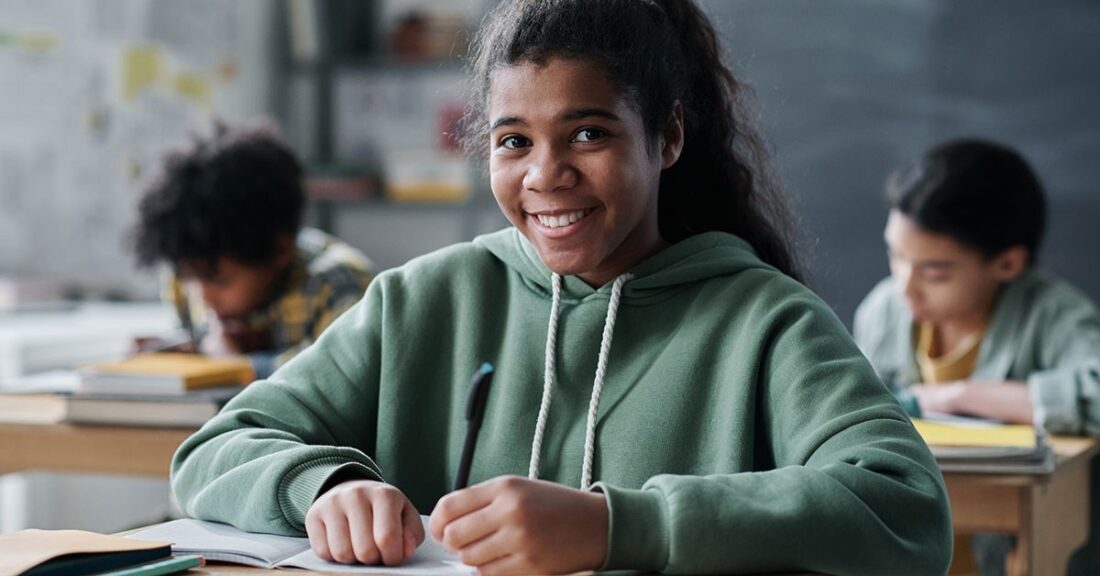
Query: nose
(907, 282)
(550, 169)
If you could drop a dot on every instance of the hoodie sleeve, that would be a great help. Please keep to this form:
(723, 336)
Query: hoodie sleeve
(260, 463)
(848, 486)
(1065, 394)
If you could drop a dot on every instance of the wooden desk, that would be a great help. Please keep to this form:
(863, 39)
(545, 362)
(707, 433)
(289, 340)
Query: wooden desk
(1049, 515)
(96, 449)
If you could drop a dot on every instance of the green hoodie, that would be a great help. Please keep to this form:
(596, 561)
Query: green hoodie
(739, 428)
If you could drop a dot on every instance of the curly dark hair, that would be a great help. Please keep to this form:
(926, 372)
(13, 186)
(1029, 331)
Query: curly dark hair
(233, 194)
(656, 52)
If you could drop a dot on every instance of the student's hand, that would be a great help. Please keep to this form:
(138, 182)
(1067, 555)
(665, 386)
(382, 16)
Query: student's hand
(1007, 401)
(940, 397)
(366, 522)
(513, 525)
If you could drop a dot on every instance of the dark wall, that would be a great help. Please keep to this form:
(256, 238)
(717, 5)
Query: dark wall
(848, 89)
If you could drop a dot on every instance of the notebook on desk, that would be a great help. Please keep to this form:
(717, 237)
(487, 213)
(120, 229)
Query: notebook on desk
(223, 543)
(61, 552)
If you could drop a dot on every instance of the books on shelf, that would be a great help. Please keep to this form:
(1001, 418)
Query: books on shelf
(224, 543)
(164, 373)
(189, 410)
(975, 445)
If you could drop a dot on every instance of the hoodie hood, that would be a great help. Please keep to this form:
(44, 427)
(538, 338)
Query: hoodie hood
(695, 259)
(699, 257)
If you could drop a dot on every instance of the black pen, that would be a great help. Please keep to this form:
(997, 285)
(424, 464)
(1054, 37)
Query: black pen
(475, 412)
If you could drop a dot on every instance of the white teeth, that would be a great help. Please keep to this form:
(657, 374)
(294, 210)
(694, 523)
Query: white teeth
(563, 220)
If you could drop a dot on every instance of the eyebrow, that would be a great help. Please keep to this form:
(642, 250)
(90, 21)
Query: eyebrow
(569, 116)
(936, 264)
(925, 264)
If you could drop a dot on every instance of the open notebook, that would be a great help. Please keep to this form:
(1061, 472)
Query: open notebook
(224, 543)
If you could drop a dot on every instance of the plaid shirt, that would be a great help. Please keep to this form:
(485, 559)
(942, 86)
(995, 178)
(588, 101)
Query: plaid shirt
(327, 277)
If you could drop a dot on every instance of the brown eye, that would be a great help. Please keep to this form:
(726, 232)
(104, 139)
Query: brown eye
(589, 135)
(513, 142)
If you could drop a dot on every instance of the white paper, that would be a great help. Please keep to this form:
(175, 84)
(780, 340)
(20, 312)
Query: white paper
(222, 542)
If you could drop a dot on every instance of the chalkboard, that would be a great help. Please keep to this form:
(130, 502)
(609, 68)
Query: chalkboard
(849, 89)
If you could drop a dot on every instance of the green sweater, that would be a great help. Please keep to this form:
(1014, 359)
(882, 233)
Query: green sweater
(740, 429)
(1043, 332)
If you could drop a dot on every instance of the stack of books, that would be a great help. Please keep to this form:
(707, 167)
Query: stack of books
(158, 389)
(982, 446)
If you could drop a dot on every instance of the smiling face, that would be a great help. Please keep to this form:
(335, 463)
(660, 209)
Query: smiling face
(943, 280)
(572, 168)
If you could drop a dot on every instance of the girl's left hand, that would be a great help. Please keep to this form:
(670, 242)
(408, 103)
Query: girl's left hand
(940, 397)
(513, 525)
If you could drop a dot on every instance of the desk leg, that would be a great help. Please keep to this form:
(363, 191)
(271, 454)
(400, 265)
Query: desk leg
(1054, 523)
(1020, 560)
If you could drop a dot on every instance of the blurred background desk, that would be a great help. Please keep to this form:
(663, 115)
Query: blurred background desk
(88, 449)
(66, 336)
(1049, 514)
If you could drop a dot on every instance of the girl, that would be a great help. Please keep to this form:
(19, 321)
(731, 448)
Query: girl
(673, 398)
(965, 324)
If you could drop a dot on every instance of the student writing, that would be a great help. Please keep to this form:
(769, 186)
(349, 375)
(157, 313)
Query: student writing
(226, 215)
(966, 324)
(667, 396)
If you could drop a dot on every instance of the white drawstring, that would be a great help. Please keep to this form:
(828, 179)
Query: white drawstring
(547, 376)
(597, 385)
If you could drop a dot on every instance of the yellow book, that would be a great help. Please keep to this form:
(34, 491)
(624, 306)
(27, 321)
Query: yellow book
(164, 373)
(984, 447)
(983, 435)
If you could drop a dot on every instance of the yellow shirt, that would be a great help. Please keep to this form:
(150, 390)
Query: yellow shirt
(957, 364)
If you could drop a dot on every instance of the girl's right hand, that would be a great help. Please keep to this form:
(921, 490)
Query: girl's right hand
(364, 521)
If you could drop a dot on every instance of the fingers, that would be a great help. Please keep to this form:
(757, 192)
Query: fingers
(486, 550)
(366, 522)
(388, 531)
(468, 529)
(413, 532)
(460, 503)
(510, 564)
(318, 538)
(339, 539)
(360, 520)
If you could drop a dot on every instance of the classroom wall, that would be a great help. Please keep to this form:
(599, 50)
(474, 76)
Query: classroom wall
(91, 95)
(850, 88)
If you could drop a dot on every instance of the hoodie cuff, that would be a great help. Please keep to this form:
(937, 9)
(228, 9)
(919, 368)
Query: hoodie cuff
(908, 402)
(637, 536)
(301, 486)
(1054, 395)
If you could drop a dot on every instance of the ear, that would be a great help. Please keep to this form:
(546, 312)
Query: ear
(672, 139)
(1008, 265)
